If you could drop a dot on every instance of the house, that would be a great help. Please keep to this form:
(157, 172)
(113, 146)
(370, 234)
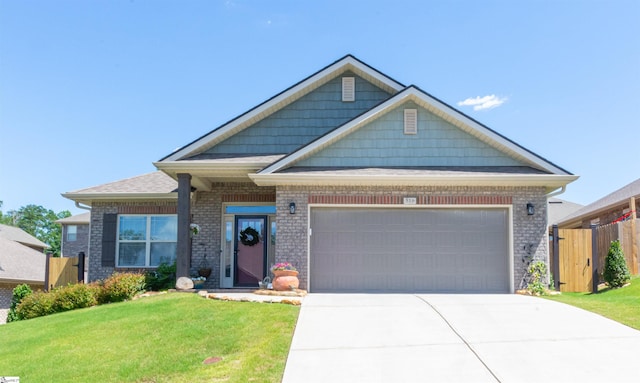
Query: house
(361, 182)
(559, 208)
(16, 234)
(75, 234)
(22, 260)
(616, 206)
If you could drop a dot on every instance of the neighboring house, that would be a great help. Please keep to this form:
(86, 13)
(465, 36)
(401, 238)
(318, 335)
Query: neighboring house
(363, 183)
(559, 208)
(19, 263)
(619, 205)
(18, 235)
(75, 234)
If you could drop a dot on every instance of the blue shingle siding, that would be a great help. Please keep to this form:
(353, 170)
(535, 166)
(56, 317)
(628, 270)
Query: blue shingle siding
(303, 120)
(383, 143)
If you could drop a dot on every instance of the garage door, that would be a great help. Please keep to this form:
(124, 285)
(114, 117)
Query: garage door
(409, 250)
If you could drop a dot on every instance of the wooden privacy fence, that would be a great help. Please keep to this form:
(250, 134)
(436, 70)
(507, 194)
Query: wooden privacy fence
(622, 231)
(64, 270)
(577, 255)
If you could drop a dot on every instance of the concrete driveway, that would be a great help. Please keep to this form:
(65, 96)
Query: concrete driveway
(457, 338)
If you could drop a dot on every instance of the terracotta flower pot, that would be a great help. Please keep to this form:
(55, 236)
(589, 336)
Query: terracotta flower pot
(285, 280)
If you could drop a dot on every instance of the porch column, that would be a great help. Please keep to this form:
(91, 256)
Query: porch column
(183, 260)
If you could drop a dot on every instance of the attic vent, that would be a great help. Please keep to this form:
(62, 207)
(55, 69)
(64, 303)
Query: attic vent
(348, 89)
(411, 121)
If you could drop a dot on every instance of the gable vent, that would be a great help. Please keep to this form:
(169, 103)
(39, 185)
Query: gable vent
(348, 89)
(411, 121)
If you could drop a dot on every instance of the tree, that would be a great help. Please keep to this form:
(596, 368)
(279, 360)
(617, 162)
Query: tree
(39, 222)
(616, 272)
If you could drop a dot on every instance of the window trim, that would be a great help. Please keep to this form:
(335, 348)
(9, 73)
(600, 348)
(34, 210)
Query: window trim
(147, 241)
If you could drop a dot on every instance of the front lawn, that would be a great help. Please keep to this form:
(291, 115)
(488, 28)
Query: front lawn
(621, 305)
(158, 339)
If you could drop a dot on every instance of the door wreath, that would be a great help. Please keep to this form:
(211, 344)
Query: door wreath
(249, 236)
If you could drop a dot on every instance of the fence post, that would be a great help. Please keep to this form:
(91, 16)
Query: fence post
(46, 271)
(81, 258)
(595, 274)
(556, 258)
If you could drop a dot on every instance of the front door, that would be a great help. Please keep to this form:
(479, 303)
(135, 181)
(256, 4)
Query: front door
(250, 250)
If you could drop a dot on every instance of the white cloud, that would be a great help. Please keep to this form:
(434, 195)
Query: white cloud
(481, 103)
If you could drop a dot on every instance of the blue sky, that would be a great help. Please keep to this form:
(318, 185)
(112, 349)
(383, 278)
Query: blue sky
(95, 91)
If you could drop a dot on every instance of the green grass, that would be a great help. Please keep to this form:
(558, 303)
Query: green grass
(621, 305)
(164, 338)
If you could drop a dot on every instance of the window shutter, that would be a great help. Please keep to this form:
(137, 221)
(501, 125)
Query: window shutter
(109, 227)
(411, 121)
(348, 89)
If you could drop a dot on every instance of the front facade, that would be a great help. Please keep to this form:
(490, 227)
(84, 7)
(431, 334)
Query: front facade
(362, 183)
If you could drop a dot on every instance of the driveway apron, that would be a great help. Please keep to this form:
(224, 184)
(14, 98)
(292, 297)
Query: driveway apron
(456, 338)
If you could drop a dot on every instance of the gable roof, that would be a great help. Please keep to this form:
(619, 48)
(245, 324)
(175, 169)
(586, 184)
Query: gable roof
(20, 264)
(559, 209)
(16, 234)
(156, 185)
(347, 63)
(617, 199)
(554, 175)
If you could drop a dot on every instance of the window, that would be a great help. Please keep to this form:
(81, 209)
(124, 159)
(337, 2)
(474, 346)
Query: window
(72, 233)
(146, 240)
(348, 89)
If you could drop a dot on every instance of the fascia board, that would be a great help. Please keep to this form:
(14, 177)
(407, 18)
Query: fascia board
(280, 101)
(197, 167)
(550, 182)
(82, 197)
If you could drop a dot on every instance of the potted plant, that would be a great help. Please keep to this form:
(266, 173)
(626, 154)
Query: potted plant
(198, 282)
(285, 277)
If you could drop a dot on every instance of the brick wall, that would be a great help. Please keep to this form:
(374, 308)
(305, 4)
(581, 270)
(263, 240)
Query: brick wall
(98, 209)
(72, 248)
(529, 232)
(6, 291)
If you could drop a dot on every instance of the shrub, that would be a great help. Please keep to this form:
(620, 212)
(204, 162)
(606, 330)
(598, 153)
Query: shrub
(18, 294)
(121, 286)
(73, 297)
(163, 278)
(537, 270)
(616, 273)
(36, 305)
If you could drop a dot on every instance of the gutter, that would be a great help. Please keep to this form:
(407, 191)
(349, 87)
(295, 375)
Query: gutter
(557, 192)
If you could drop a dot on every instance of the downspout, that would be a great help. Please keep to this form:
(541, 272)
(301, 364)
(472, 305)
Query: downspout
(82, 207)
(550, 195)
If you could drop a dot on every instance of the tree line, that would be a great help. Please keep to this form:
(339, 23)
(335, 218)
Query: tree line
(39, 222)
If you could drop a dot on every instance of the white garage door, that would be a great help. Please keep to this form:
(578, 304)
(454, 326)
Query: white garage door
(409, 250)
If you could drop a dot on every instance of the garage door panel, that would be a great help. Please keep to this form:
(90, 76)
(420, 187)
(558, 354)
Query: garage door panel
(438, 250)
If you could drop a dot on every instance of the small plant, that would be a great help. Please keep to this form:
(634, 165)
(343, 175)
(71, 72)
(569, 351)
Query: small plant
(194, 228)
(198, 279)
(616, 272)
(162, 278)
(19, 293)
(537, 270)
(282, 266)
(121, 286)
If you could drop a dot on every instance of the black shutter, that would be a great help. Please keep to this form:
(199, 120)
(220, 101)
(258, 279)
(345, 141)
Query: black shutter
(109, 226)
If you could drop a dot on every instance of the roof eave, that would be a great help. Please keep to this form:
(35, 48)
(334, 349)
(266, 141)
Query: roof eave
(88, 198)
(549, 182)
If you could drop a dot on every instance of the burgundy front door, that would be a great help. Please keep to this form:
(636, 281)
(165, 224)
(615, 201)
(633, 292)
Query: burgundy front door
(250, 250)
